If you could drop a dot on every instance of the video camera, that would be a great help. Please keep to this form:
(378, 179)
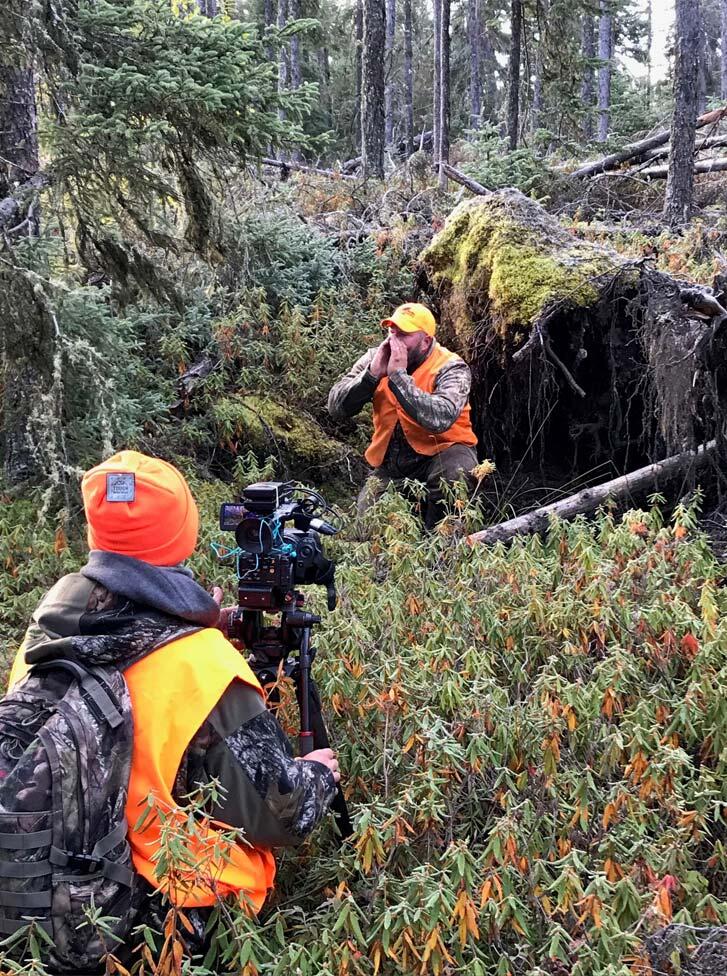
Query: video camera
(271, 559)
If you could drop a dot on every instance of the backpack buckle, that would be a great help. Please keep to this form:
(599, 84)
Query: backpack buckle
(85, 863)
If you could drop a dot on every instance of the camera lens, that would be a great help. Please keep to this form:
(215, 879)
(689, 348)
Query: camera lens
(254, 535)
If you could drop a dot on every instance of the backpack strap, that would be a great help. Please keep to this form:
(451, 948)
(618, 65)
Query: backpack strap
(90, 685)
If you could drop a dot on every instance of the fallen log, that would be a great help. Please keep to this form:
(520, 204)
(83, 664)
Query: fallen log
(422, 141)
(714, 142)
(717, 165)
(459, 177)
(635, 149)
(282, 164)
(636, 482)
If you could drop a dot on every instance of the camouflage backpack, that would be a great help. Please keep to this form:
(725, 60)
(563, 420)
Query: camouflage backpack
(66, 737)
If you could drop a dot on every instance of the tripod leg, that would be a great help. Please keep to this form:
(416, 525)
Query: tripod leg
(321, 741)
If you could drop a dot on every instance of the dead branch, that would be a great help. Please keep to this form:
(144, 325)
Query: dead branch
(635, 149)
(14, 207)
(459, 177)
(618, 490)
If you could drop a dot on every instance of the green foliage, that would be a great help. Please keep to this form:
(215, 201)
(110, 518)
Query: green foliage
(532, 743)
(491, 163)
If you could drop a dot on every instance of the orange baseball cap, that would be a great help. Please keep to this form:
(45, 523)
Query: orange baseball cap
(412, 317)
(142, 507)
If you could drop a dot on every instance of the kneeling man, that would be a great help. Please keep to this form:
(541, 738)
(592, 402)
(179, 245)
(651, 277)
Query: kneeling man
(421, 412)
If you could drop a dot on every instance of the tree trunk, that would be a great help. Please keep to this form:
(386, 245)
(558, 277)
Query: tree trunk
(295, 76)
(324, 74)
(543, 7)
(23, 363)
(588, 87)
(372, 89)
(723, 52)
(680, 181)
(473, 40)
(513, 96)
(605, 53)
(444, 93)
(358, 27)
(408, 80)
(268, 17)
(208, 8)
(649, 44)
(702, 72)
(18, 127)
(389, 71)
(436, 89)
(488, 64)
(283, 62)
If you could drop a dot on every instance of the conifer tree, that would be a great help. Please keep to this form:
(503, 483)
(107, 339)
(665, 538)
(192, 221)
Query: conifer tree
(372, 89)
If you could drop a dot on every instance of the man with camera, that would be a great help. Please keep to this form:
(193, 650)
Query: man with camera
(421, 413)
(198, 711)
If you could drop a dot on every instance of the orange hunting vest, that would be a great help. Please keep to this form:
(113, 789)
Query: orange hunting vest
(388, 412)
(172, 691)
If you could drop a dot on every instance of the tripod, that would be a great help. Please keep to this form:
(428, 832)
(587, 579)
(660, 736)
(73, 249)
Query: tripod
(271, 645)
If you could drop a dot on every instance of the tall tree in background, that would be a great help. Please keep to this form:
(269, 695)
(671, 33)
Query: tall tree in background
(605, 54)
(372, 88)
(488, 69)
(588, 82)
(723, 73)
(680, 181)
(513, 74)
(444, 80)
(436, 89)
(208, 8)
(389, 71)
(473, 42)
(408, 79)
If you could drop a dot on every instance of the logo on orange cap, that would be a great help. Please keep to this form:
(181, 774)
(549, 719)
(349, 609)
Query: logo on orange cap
(412, 317)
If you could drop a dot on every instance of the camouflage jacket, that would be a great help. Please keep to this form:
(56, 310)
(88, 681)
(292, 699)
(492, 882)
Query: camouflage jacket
(435, 411)
(274, 799)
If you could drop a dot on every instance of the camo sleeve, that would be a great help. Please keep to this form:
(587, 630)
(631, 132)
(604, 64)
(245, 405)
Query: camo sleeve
(274, 798)
(354, 390)
(437, 411)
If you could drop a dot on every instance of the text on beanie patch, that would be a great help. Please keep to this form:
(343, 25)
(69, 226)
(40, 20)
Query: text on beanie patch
(120, 487)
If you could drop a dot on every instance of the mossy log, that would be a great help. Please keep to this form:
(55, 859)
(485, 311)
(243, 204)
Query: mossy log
(581, 357)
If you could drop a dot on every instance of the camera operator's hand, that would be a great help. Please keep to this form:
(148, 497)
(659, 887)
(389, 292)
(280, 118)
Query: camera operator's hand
(399, 355)
(326, 757)
(381, 360)
(223, 622)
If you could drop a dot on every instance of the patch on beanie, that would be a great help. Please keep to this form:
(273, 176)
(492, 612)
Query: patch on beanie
(120, 487)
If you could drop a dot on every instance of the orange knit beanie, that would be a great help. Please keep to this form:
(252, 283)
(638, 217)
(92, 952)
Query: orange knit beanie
(142, 507)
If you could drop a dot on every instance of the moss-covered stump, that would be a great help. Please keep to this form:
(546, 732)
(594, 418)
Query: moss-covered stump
(581, 357)
(504, 255)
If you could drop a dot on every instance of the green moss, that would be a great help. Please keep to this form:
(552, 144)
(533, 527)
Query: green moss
(504, 258)
(261, 424)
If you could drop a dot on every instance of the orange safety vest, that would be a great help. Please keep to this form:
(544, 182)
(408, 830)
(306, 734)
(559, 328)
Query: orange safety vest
(173, 690)
(388, 412)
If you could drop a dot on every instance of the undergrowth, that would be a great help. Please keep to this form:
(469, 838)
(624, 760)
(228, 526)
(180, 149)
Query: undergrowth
(533, 742)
